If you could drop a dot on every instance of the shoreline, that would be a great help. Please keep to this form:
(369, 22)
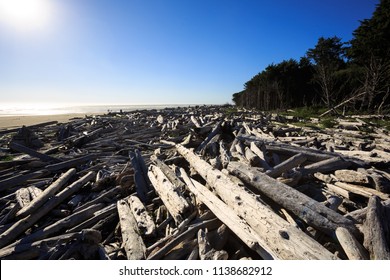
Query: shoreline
(10, 122)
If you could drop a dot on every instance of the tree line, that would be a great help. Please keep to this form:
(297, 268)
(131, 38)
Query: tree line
(355, 73)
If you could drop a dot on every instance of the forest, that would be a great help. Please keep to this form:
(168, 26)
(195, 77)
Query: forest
(355, 74)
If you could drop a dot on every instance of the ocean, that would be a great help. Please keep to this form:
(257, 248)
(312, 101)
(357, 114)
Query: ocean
(36, 110)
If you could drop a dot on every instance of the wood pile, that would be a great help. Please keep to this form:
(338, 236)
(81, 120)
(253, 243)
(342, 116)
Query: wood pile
(203, 182)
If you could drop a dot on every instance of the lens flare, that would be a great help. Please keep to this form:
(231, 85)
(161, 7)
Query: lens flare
(25, 14)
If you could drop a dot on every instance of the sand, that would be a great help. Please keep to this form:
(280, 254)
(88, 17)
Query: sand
(18, 121)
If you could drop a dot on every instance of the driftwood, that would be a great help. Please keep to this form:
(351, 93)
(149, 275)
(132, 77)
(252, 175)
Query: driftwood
(337, 168)
(281, 234)
(144, 221)
(19, 227)
(132, 241)
(226, 215)
(287, 165)
(375, 228)
(307, 209)
(18, 179)
(173, 200)
(352, 248)
(46, 194)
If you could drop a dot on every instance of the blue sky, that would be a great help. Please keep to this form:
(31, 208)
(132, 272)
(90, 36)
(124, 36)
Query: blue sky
(160, 51)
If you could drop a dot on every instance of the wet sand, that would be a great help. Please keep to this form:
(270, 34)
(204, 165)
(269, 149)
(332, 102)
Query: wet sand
(18, 121)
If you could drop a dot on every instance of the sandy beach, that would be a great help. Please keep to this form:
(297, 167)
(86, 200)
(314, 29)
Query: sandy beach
(18, 121)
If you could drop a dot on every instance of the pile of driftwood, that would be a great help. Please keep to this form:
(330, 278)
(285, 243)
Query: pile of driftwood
(194, 183)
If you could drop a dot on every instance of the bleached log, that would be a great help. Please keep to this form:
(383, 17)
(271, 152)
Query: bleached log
(22, 225)
(144, 221)
(286, 165)
(359, 215)
(360, 190)
(102, 197)
(228, 216)
(96, 217)
(282, 240)
(46, 194)
(36, 247)
(253, 159)
(351, 176)
(61, 225)
(169, 173)
(214, 132)
(206, 252)
(191, 231)
(174, 201)
(131, 239)
(141, 184)
(259, 151)
(309, 210)
(333, 202)
(195, 121)
(327, 165)
(352, 248)
(23, 149)
(375, 227)
(70, 163)
(18, 179)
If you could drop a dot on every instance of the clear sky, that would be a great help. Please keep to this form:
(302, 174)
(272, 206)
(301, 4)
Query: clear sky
(156, 51)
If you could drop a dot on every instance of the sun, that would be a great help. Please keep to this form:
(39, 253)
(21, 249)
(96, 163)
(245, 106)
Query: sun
(25, 14)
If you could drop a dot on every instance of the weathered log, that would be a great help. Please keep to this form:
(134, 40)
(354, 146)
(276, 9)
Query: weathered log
(61, 225)
(96, 217)
(18, 179)
(283, 240)
(36, 247)
(191, 231)
(304, 207)
(169, 173)
(20, 226)
(46, 194)
(214, 132)
(360, 190)
(131, 239)
(253, 159)
(359, 215)
(70, 163)
(23, 149)
(206, 252)
(352, 248)
(226, 215)
(259, 151)
(102, 197)
(375, 227)
(172, 198)
(144, 221)
(141, 184)
(327, 165)
(351, 176)
(286, 165)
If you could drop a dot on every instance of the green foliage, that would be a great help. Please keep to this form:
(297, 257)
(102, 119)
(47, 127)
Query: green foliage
(328, 122)
(330, 73)
(7, 158)
(371, 38)
(307, 112)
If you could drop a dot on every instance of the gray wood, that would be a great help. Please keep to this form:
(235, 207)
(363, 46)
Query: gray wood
(375, 226)
(286, 165)
(131, 239)
(304, 207)
(283, 240)
(22, 225)
(46, 194)
(352, 248)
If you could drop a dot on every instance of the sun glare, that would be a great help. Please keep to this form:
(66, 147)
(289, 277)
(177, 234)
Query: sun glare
(25, 14)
